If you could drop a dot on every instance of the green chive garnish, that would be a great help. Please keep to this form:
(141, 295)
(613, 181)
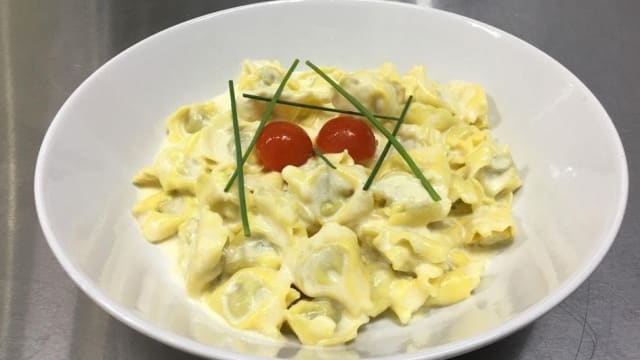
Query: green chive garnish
(239, 162)
(263, 121)
(324, 158)
(396, 144)
(314, 107)
(385, 151)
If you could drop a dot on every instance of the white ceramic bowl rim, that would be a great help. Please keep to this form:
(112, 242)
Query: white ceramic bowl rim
(446, 350)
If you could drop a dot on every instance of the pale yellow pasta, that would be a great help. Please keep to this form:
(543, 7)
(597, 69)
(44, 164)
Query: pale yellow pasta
(253, 298)
(329, 265)
(202, 239)
(330, 195)
(160, 215)
(323, 322)
(379, 90)
(326, 256)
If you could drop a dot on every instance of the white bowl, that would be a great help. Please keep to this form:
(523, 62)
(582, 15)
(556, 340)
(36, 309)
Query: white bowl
(568, 151)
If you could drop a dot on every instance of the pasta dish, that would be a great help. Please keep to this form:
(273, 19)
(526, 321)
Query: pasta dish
(330, 220)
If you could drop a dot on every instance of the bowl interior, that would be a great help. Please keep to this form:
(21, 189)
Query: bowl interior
(567, 150)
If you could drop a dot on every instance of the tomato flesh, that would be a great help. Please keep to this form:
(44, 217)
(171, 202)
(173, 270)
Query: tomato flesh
(283, 143)
(347, 133)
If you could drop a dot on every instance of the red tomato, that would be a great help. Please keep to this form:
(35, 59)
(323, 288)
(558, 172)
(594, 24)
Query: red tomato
(283, 143)
(347, 133)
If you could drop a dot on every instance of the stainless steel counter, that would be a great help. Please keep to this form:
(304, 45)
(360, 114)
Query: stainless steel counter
(48, 47)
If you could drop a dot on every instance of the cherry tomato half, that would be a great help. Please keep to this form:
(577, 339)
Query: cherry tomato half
(283, 143)
(347, 133)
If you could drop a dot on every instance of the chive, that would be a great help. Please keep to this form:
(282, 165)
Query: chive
(314, 107)
(324, 158)
(396, 144)
(263, 121)
(239, 164)
(385, 151)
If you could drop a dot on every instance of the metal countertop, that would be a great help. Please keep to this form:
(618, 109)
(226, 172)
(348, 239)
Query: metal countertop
(48, 47)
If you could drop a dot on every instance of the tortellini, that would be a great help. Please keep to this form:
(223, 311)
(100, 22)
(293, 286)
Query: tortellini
(329, 264)
(488, 225)
(468, 102)
(202, 239)
(323, 322)
(379, 90)
(325, 256)
(455, 285)
(189, 120)
(329, 195)
(406, 202)
(160, 215)
(405, 249)
(253, 298)
(380, 278)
